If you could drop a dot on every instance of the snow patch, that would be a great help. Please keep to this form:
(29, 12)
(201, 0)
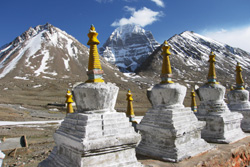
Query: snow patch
(66, 63)
(131, 75)
(34, 44)
(37, 86)
(48, 78)
(23, 78)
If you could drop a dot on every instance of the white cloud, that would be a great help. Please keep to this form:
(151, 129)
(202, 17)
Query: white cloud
(159, 3)
(141, 17)
(129, 9)
(237, 37)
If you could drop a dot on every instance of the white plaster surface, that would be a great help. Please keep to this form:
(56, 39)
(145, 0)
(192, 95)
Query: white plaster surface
(95, 97)
(96, 135)
(94, 140)
(170, 132)
(171, 135)
(167, 95)
(239, 102)
(222, 125)
(211, 92)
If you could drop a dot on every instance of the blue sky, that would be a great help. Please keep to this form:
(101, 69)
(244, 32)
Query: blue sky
(227, 21)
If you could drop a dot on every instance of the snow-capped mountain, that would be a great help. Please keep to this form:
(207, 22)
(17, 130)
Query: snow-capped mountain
(128, 46)
(44, 61)
(45, 52)
(189, 60)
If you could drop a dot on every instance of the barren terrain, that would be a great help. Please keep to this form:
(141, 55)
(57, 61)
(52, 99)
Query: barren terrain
(22, 101)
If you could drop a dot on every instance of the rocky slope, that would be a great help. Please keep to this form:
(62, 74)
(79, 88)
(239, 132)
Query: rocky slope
(43, 52)
(42, 63)
(189, 60)
(128, 46)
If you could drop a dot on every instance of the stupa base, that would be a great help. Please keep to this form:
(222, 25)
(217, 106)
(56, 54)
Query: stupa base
(222, 127)
(115, 157)
(245, 123)
(171, 135)
(94, 140)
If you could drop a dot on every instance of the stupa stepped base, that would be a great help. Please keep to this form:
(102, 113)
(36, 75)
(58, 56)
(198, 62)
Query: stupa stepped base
(245, 123)
(122, 158)
(94, 140)
(239, 102)
(171, 135)
(222, 127)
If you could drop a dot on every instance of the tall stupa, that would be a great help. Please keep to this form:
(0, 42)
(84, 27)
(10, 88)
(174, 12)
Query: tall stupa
(238, 100)
(95, 135)
(170, 131)
(222, 125)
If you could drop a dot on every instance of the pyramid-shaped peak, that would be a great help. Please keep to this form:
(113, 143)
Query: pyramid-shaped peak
(31, 32)
(46, 26)
(128, 46)
(129, 28)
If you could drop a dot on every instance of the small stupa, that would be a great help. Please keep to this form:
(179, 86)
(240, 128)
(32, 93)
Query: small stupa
(95, 135)
(222, 125)
(69, 102)
(130, 110)
(170, 131)
(238, 100)
(193, 101)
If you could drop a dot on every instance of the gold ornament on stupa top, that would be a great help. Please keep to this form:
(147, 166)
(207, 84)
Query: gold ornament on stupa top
(69, 102)
(166, 71)
(239, 79)
(95, 71)
(193, 101)
(130, 110)
(211, 78)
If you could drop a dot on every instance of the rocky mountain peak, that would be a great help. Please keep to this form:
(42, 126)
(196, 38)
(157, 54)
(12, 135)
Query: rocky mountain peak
(31, 32)
(43, 51)
(125, 31)
(128, 46)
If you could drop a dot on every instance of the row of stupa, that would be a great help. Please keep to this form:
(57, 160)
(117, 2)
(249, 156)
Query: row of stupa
(98, 136)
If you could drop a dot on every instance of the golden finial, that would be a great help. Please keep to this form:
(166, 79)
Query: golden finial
(95, 71)
(166, 71)
(193, 102)
(130, 110)
(69, 102)
(239, 79)
(212, 74)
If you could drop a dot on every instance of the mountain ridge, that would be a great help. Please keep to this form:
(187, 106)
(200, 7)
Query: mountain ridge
(190, 53)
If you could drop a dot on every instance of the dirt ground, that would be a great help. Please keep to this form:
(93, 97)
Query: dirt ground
(40, 137)
(18, 103)
(32, 105)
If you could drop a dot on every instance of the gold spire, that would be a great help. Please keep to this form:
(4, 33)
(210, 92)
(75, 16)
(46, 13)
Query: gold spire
(69, 102)
(130, 110)
(193, 102)
(95, 71)
(166, 71)
(239, 79)
(212, 74)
